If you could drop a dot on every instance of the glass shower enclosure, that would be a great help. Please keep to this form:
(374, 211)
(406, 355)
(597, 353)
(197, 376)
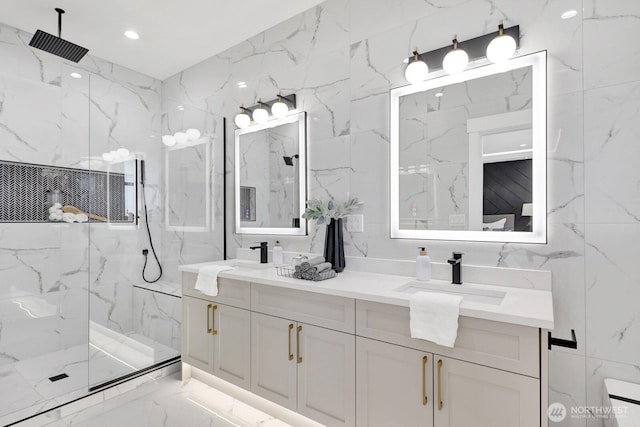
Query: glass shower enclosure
(75, 314)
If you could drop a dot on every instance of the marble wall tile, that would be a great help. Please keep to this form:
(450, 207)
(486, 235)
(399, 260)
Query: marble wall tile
(597, 371)
(158, 316)
(606, 25)
(27, 63)
(567, 384)
(613, 289)
(611, 134)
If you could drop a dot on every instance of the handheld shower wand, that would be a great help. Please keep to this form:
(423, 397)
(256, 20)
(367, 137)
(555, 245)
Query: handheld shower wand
(145, 252)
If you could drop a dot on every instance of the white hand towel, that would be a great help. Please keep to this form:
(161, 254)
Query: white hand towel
(434, 317)
(207, 282)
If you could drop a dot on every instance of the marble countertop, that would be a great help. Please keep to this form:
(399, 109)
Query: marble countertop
(527, 307)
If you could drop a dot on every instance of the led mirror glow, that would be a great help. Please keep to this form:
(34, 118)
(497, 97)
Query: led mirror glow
(242, 120)
(456, 212)
(279, 109)
(260, 115)
(416, 72)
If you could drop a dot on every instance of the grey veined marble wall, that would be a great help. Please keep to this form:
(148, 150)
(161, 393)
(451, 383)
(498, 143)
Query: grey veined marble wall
(342, 58)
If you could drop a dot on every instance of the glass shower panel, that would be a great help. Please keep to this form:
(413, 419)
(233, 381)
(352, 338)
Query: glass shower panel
(44, 129)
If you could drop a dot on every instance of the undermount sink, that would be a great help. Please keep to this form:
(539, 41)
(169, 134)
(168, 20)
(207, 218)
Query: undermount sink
(484, 296)
(245, 264)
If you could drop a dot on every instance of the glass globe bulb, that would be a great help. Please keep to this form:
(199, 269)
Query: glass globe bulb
(123, 153)
(416, 72)
(181, 137)
(168, 140)
(501, 48)
(193, 134)
(260, 115)
(242, 120)
(279, 109)
(455, 61)
(107, 157)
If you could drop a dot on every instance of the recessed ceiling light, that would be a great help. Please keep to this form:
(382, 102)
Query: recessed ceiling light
(132, 35)
(439, 94)
(569, 14)
(523, 145)
(180, 107)
(76, 75)
(242, 85)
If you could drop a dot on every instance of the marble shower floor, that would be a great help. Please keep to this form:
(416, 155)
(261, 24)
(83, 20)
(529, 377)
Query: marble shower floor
(168, 403)
(25, 387)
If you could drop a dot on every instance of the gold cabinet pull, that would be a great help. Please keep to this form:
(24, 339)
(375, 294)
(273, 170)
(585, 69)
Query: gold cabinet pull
(439, 386)
(209, 319)
(425, 399)
(214, 331)
(298, 343)
(290, 352)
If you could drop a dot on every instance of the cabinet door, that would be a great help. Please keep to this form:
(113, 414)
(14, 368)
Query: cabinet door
(232, 345)
(197, 338)
(326, 375)
(393, 385)
(474, 395)
(273, 362)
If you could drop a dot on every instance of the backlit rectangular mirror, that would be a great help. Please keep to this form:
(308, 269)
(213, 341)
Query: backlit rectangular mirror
(468, 155)
(270, 177)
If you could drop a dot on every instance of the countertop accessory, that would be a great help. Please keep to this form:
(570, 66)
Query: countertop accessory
(285, 270)
(434, 317)
(207, 281)
(559, 342)
(74, 210)
(278, 255)
(423, 265)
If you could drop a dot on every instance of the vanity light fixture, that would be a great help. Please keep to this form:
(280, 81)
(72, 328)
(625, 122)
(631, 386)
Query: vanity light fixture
(456, 60)
(502, 47)
(499, 45)
(279, 109)
(242, 119)
(193, 134)
(180, 137)
(260, 115)
(417, 70)
(169, 140)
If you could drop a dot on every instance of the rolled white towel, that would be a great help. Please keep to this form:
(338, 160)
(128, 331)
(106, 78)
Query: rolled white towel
(68, 217)
(81, 218)
(57, 205)
(53, 216)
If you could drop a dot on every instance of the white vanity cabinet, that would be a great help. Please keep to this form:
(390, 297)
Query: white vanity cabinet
(306, 368)
(394, 385)
(472, 392)
(351, 362)
(216, 336)
(467, 394)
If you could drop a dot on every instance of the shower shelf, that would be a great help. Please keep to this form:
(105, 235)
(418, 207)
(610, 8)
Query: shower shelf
(24, 187)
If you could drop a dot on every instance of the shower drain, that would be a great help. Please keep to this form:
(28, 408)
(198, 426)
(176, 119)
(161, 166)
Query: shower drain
(58, 377)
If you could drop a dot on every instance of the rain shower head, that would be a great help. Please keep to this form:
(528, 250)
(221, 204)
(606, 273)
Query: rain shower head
(289, 160)
(56, 45)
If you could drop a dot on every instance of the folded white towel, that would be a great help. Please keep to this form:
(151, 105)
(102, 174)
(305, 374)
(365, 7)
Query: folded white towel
(434, 317)
(207, 282)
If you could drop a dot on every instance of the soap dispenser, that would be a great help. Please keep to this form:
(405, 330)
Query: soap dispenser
(423, 265)
(278, 255)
